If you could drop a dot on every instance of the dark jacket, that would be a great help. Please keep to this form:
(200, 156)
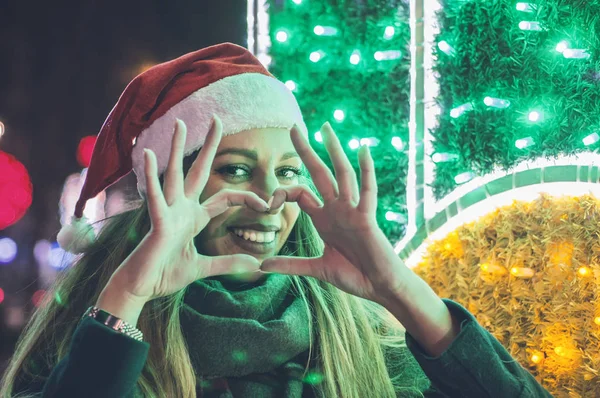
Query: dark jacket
(104, 363)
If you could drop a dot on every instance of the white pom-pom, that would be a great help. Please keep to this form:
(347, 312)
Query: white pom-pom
(77, 236)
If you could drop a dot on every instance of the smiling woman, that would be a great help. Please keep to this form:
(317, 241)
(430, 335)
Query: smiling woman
(161, 322)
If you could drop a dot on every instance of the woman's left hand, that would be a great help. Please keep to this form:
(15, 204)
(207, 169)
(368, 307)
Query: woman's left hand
(357, 257)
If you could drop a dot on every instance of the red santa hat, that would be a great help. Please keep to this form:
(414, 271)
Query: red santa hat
(225, 79)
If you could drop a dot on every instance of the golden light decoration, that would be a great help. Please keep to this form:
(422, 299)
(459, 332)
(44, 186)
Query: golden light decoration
(530, 274)
(584, 271)
(493, 269)
(537, 357)
(522, 272)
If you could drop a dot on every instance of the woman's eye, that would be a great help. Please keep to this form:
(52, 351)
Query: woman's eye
(238, 172)
(233, 171)
(290, 173)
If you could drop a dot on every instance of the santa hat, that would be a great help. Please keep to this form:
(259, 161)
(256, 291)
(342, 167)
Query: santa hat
(225, 79)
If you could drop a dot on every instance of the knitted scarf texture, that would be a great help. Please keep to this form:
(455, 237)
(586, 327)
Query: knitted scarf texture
(249, 342)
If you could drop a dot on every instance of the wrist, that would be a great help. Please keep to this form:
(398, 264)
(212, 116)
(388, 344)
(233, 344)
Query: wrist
(423, 314)
(120, 303)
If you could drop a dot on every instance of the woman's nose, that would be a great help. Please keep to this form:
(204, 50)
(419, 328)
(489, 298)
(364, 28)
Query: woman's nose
(265, 185)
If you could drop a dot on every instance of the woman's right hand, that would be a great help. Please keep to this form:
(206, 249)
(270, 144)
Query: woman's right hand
(166, 260)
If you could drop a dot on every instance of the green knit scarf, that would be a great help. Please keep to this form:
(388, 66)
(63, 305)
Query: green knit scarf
(246, 343)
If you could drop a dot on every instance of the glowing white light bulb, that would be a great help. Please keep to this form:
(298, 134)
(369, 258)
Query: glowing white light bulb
(459, 110)
(389, 32)
(464, 177)
(530, 25)
(591, 139)
(316, 56)
(496, 102)
(369, 141)
(525, 7)
(446, 48)
(443, 157)
(387, 55)
(325, 30)
(281, 36)
(397, 143)
(577, 53)
(291, 85)
(355, 57)
(524, 142)
(534, 116)
(318, 136)
(391, 216)
(298, 2)
(339, 115)
(354, 143)
(562, 46)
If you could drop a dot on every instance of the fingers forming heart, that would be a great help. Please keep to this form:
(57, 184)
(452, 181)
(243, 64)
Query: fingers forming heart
(301, 194)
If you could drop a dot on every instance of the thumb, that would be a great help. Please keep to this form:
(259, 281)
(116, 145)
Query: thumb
(230, 264)
(302, 266)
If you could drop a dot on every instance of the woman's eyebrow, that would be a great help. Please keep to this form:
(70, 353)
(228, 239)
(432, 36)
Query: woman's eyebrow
(252, 154)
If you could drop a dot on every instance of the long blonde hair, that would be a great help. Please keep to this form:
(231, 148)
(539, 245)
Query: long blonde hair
(350, 336)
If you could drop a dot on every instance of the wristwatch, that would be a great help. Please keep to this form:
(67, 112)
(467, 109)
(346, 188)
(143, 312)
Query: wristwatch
(113, 322)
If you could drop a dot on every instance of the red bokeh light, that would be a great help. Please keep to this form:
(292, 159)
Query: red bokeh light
(15, 190)
(37, 297)
(85, 149)
(1, 295)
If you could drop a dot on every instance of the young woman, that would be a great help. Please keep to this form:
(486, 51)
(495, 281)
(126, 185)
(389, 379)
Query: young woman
(248, 270)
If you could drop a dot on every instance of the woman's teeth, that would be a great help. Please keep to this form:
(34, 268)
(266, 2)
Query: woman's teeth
(255, 236)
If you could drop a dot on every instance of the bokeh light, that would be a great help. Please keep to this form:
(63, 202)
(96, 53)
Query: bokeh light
(85, 149)
(58, 258)
(37, 297)
(291, 85)
(8, 250)
(389, 32)
(316, 56)
(281, 36)
(534, 116)
(339, 115)
(15, 190)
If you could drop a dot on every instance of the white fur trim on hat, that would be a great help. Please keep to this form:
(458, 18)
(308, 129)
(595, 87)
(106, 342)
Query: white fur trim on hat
(243, 102)
(77, 236)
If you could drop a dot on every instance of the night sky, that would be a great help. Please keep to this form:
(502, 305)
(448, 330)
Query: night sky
(63, 65)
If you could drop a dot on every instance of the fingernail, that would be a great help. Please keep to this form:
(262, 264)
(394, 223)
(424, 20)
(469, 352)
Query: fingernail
(214, 121)
(269, 203)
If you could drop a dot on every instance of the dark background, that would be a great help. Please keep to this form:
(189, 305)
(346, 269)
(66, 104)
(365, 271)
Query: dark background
(63, 65)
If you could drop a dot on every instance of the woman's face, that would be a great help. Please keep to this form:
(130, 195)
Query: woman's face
(259, 161)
